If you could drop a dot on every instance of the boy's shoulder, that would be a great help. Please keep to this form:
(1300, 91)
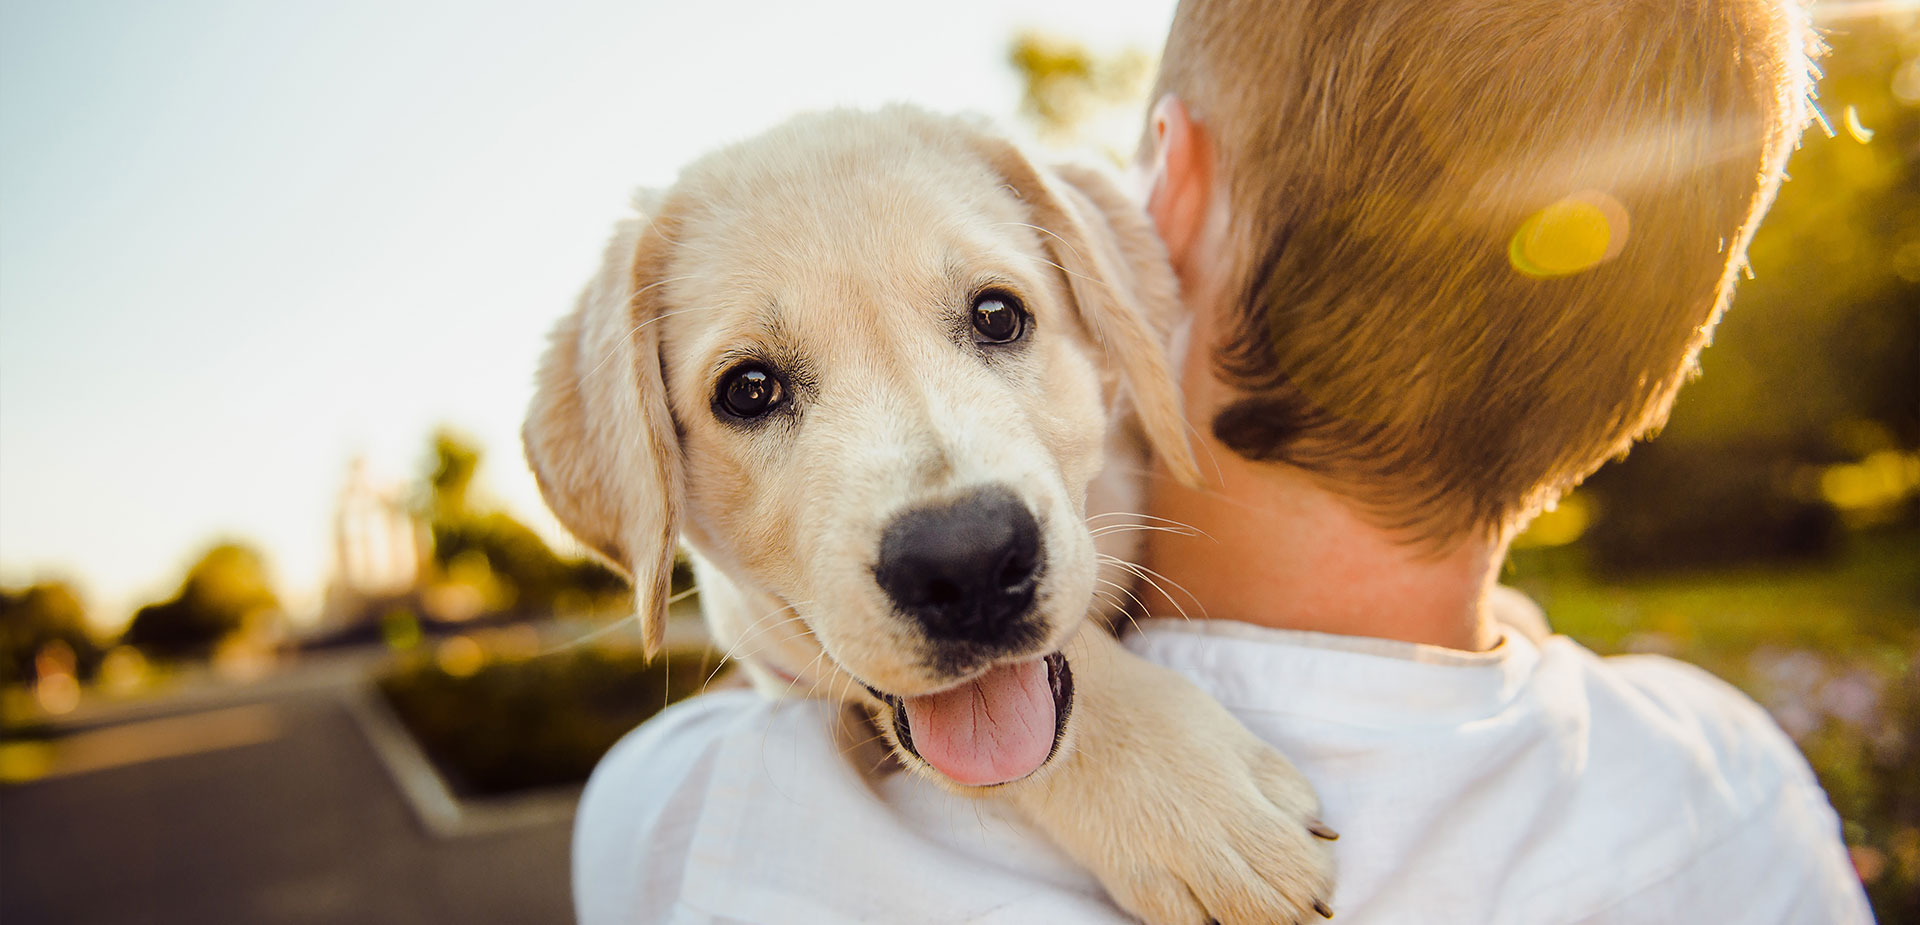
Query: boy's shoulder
(1677, 756)
(1661, 699)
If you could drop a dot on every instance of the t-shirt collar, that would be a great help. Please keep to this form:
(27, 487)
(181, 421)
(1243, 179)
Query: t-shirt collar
(1356, 678)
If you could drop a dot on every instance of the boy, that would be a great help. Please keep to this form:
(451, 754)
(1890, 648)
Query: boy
(1445, 257)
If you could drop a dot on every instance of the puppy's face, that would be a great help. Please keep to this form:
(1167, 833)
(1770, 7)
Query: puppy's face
(888, 405)
(864, 363)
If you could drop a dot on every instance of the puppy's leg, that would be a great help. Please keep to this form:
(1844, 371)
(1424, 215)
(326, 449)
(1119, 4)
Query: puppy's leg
(1181, 812)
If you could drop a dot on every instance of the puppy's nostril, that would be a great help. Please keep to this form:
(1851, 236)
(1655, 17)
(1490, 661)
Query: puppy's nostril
(1015, 570)
(942, 592)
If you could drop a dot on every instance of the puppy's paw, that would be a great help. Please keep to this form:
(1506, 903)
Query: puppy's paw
(1184, 816)
(1239, 843)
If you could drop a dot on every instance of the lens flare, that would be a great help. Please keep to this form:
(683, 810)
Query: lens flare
(1860, 132)
(1569, 236)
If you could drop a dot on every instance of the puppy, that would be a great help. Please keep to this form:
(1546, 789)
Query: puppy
(869, 368)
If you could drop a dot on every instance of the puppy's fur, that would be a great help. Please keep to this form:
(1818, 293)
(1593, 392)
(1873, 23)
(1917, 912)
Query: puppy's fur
(843, 253)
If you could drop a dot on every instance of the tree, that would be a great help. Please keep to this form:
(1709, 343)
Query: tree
(1074, 96)
(226, 591)
(530, 573)
(31, 619)
(455, 459)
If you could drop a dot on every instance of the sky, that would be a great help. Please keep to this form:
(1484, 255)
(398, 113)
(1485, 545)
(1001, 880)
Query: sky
(243, 243)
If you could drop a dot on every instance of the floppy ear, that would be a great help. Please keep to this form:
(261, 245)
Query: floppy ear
(599, 437)
(1122, 285)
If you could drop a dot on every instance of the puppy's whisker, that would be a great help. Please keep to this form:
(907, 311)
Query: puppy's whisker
(755, 627)
(1113, 604)
(1136, 528)
(1098, 282)
(836, 683)
(1156, 578)
(766, 729)
(626, 622)
(1213, 460)
(633, 301)
(638, 327)
(812, 685)
(869, 740)
(759, 630)
(1149, 576)
(1134, 570)
(1165, 520)
(846, 687)
(1071, 249)
(1063, 241)
(654, 226)
(739, 653)
(1127, 591)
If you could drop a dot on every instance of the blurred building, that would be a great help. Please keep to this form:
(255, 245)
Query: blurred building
(378, 543)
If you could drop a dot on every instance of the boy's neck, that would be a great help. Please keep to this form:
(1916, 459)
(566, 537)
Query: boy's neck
(1276, 549)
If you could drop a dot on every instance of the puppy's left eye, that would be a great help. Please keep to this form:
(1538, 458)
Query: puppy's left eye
(749, 391)
(998, 318)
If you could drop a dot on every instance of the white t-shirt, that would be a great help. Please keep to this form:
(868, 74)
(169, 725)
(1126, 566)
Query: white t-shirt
(1534, 784)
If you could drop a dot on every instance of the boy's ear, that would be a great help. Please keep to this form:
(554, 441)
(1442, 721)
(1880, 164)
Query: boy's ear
(1122, 286)
(1180, 183)
(598, 434)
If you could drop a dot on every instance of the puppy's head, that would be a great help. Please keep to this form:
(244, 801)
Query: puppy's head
(865, 364)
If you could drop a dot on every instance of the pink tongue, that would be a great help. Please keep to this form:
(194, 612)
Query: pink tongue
(996, 728)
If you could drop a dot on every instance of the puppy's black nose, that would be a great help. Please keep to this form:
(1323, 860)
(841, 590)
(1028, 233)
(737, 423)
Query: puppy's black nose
(966, 570)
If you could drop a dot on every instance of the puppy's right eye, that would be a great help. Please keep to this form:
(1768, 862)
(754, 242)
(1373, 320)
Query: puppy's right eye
(998, 318)
(749, 391)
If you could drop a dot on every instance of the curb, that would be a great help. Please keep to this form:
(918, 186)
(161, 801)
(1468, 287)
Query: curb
(440, 812)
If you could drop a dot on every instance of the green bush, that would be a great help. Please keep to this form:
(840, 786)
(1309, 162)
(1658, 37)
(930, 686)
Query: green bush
(507, 724)
(224, 592)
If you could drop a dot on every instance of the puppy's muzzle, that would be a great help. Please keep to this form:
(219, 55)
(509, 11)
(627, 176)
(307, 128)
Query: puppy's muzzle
(965, 571)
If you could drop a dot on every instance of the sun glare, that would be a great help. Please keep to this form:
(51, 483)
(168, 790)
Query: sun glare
(1569, 236)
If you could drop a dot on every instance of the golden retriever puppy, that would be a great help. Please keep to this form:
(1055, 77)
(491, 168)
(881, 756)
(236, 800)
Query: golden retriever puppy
(870, 367)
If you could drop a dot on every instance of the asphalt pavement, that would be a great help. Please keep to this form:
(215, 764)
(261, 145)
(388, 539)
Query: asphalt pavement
(273, 810)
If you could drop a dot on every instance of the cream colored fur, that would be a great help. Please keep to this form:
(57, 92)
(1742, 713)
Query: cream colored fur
(846, 246)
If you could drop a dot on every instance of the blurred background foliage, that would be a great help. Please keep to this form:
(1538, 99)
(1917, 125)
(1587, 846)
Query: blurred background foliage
(39, 622)
(227, 591)
(484, 562)
(480, 568)
(1075, 98)
(497, 721)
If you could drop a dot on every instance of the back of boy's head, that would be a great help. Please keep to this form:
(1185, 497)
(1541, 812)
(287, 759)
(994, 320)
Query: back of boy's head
(1475, 245)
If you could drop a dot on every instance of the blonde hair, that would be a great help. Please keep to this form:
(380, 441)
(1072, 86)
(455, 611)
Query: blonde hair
(1477, 244)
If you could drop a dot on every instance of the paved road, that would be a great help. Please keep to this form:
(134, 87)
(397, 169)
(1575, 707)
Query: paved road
(285, 815)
